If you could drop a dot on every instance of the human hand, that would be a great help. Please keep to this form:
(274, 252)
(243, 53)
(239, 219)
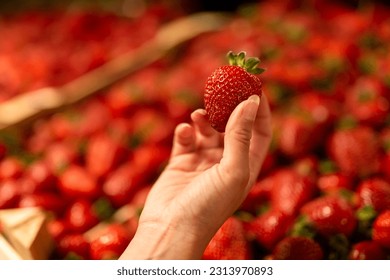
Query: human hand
(208, 176)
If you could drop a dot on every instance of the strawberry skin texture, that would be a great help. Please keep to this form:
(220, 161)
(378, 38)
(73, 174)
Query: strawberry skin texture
(290, 191)
(330, 215)
(80, 216)
(355, 150)
(367, 250)
(381, 229)
(229, 243)
(76, 182)
(269, 228)
(111, 243)
(73, 246)
(297, 248)
(374, 192)
(228, 86)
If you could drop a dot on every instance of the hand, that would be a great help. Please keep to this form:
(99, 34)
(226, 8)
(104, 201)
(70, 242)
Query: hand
(207, 178)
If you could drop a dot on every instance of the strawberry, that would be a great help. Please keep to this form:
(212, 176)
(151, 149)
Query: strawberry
(330, 215)
(228, 243)
(228, 86)
(73, 246)
(48, 201)
(57, 229)
(374, 192)
(331, 180)
(102, 155)
(355, 150)
(80, 216)
(150, 126)
(367, 250)
(76, 182)
(269, 228)
(111, 243)
(122, 184)
(381, 229)
(291, 190)
(297, 248)
(366, 101)
(9, 194)
(41, 176)
(10, 167)
(259, 193)
(59, 155)
(299, 135)
(149, 160)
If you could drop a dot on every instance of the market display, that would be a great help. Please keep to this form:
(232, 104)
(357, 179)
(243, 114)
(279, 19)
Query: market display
(324, 189)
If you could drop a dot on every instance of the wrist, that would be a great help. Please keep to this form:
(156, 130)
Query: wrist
(165, 241)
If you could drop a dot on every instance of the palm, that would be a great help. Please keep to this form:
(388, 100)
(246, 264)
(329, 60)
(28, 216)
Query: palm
(182, 181)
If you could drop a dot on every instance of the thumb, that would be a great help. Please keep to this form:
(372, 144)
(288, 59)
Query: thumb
(238, 135)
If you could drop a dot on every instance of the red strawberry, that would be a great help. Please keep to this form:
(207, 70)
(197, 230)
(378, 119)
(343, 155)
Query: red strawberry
(102, 155)
(73, 246)
(330, 215)
(355, 150)
(10, 167)
(41, 176)
(331, 180)
(367, 250)
(374, 192)
(381, 229)
(57, 228)
(59, 155)
(76, 182)
(269, 228)
(148, 161)
(150, 126)
(81, 216)
(111, 243)
(228, 86)
(122, 184)
(9, 194)
(299, 135)
(366, 101)
(291, 190)
(258, 194)
(297, 248)
(48, 201)
(228, 243)
(334, 182)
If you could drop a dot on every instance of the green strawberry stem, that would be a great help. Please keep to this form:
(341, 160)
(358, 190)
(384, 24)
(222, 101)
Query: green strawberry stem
(250, 64)
(347, 122)
(103, 208)
(303, 227)
(365, 216)
(327, 167)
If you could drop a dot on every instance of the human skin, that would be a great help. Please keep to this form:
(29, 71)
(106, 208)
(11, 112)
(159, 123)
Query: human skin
(208, 176)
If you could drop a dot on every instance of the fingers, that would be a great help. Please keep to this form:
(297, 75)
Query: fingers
(183, 140)
(238, 136)
(206, 136)
(261, 137)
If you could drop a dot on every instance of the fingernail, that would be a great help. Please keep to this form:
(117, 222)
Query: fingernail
(254, 98)
(202, 112)
(250, 110)
(185, 130)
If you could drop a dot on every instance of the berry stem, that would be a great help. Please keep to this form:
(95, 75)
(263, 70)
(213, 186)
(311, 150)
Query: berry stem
(250, 64)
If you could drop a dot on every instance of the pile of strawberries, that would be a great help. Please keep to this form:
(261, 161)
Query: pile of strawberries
(324, 189)
(59, 46)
